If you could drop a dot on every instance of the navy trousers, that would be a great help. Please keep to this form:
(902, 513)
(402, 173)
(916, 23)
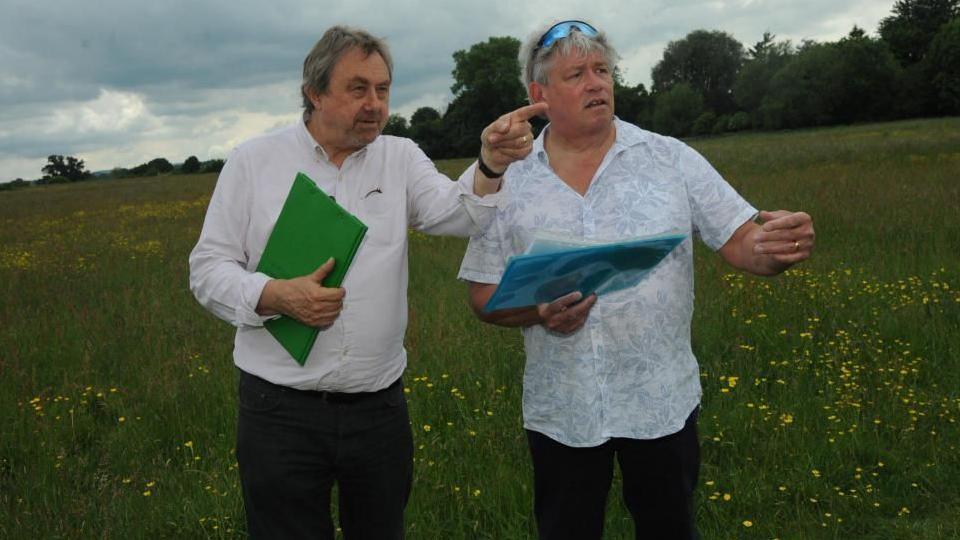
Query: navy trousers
(659, 477)
(294, 445)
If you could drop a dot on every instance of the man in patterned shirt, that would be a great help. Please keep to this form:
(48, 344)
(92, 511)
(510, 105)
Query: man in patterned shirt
(614, 377)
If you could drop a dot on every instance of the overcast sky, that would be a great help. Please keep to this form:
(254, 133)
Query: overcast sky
(120, 82)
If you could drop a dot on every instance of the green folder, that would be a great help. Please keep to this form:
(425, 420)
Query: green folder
(311, 228)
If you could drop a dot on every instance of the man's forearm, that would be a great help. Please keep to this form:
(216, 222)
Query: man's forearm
(480, 294)
(483, 185)
(520, 317)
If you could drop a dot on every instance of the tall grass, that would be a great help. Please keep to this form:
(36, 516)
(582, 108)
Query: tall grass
(830, 393)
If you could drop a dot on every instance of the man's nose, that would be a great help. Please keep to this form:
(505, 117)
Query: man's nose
(594, 81)
(373, 100)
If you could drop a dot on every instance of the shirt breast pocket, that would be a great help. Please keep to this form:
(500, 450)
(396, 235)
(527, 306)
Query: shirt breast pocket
(383, 216)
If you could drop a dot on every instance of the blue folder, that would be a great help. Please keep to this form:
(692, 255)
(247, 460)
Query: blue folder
(553, 267)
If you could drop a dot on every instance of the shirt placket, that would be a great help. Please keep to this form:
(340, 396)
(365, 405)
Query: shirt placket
(593, 328)
(341, 194)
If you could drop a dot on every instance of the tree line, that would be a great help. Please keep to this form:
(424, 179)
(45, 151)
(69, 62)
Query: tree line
(65, 169)
(709, 83)
(705, 83)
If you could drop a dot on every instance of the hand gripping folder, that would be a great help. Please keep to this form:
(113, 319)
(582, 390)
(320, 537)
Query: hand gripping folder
(311, 228)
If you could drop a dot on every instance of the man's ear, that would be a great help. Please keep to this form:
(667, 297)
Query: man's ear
(536, 92)
(313, 96)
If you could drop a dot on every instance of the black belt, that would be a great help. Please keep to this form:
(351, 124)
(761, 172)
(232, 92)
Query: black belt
(352, 397)
(324, 395)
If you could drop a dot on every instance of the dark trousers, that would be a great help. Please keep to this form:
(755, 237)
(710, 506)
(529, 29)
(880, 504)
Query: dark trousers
(293, 445)
(659, 476)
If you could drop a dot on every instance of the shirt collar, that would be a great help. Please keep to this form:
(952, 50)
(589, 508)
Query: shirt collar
(625, 138)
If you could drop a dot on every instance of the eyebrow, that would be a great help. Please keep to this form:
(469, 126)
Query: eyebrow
(364, 80)
(591, 65)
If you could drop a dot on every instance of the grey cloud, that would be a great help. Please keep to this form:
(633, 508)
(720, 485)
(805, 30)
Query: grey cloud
(198, 60)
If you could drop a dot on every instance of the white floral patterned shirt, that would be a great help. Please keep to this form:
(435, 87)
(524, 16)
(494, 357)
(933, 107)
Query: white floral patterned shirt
(630, 371)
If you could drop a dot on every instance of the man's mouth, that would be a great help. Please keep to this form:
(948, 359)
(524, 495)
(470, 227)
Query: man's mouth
(596, 103)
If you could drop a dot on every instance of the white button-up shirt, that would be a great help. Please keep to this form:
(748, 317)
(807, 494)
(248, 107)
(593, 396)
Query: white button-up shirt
(390, 185)
(630, 371)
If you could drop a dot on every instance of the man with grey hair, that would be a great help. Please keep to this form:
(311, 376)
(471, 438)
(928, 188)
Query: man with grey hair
(614, 377)
(341, 418)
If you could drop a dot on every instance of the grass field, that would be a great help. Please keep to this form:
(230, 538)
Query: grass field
(831, 393)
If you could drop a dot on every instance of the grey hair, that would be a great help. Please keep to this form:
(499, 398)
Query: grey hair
(336, 42)
(535, 63)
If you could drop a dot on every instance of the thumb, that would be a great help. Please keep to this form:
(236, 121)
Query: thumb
(320, 273)
(502, 125)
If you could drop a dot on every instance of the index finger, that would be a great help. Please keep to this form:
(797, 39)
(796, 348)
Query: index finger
(788, 221)
(525, 113)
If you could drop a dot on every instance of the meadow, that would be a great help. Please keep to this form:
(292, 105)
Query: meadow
(831, 392)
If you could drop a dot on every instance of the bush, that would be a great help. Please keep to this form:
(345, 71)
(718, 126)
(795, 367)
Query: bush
(190, 165)
(739, 121)
(704, 123)
(18, 183)
(212, 166)
(676, 109)
(722, 125)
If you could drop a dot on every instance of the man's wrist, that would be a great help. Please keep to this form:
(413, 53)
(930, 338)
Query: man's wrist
(486, 170)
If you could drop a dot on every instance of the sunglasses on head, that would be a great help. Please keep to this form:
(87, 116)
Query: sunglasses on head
(563, 29)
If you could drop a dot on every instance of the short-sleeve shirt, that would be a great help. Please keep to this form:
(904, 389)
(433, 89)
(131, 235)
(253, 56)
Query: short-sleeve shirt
(630, 370)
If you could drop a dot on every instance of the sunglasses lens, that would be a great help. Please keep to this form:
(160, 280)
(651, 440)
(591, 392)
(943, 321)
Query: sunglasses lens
(562, 30)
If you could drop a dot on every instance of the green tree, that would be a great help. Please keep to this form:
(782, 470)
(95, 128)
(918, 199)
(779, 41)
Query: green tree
(190, 165)
(911, 28)
(909, 31)
(397, 126)
(212, 166)
(764, 60)
(863, 81)
(486, 85)
(797, 93)
(944, 59)
(426, 128)
(708, 61)
(676, 110)
(153, 167)
(632, 103)
(852, 80)
(67, 167)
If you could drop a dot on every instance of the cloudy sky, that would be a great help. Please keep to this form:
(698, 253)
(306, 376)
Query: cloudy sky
(120, 82)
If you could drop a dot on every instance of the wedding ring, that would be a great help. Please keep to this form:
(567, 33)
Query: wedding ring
(796, 245)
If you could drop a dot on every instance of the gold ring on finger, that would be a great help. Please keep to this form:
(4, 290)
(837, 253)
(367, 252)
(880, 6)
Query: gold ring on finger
(796, 245)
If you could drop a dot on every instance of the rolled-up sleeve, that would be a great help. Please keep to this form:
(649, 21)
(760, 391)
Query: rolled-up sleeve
(484, 260)
(438, 206)
(219, 278)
